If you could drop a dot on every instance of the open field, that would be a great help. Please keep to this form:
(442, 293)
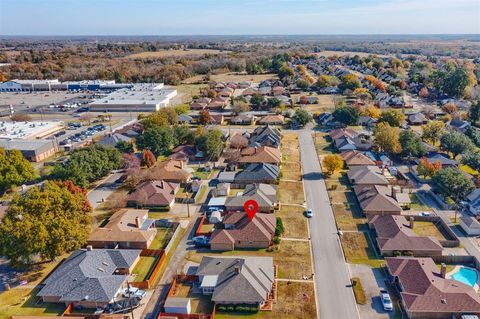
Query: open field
(294, 221)
(325, 102)
(185, 92)
(292, 257)
(357, 249)
(291, 171)
(294, 300)
(428, 229)
(291, 168)
(233, 77)
(175, 53)
(143, 267)
(291, 192)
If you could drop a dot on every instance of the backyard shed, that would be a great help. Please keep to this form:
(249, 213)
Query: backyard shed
(215, 217)
(178, 305)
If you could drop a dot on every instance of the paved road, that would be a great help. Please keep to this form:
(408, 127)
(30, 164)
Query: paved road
(335, 296)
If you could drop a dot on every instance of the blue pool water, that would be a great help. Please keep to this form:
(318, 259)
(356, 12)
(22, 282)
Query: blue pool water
(467, 276)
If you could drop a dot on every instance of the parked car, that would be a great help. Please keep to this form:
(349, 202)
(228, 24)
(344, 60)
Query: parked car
(201, 241)
(386, 300)
(309, 213)
(134, 292)
(424, 214)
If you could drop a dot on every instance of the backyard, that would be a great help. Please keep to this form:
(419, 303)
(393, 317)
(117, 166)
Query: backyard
(160, 239)
(143, 267)
(200, 304)
(325, 102)
(428, 229)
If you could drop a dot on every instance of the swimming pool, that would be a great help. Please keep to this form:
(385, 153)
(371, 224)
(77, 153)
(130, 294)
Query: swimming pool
(467, 276)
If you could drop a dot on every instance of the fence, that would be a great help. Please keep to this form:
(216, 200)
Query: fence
(153, 274)
(451, 239)
(198, 231)
(174, 236)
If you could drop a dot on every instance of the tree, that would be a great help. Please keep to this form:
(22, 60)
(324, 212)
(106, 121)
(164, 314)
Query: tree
(411, 144)
(472, 159)
(130, 161)
(46, 221)
(432, 131)
(160, 140)
(302, 117)
(211, 143)
(386, 138)
(332, 163)
(88, 164)
(182, 109)
(303, 84)
(455, 142)
(371, 111)
(474, 112)
(274, 103)
(204, 117)
(428, 169)
(240, 106)
(451, 80)
(182, 134)
(165, 117)
(474, 135)
(148, 159)
(347, 115)
(423, 93)
(285, 71)
(392, 117)
(453, 183)
(257, 101)
(327, 81)
(15, 170)
(350, 82)
(124, 147)
(450, 108)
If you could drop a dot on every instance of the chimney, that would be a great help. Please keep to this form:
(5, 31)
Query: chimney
(412, 221)
(237, 269)
(137, 222)
(89, 247)
(443, 270)
(396, 190)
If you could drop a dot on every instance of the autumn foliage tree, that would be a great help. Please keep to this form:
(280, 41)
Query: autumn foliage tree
(332, 163)
(387, 138)
(204, 117)
(427, 168)
(46, 222)
(148, 158)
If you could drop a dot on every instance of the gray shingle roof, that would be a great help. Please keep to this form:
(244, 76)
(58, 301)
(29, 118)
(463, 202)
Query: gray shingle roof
(89, 274)
(260, 172)
(246, 279)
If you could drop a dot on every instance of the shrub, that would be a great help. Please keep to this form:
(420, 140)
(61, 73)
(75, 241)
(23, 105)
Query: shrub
(276, 240)
(279, 229)
(358, 291)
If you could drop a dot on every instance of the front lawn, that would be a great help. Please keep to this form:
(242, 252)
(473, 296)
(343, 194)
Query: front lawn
(291, 171)
(290, 192)
(143, 267)
(358, 250)
(294, 300)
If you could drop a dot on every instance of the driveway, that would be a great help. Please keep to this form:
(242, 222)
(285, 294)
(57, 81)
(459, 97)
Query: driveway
(332, 279)
(104, 189)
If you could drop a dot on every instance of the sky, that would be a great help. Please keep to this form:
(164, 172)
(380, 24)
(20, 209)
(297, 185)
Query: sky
(237, 17)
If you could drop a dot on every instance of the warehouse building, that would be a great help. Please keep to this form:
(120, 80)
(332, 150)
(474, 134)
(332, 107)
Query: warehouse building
(145, 97)
(32, 150)
(28, 85)
(28, 130)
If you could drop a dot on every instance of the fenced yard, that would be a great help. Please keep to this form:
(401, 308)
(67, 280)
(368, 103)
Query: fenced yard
(144, 267)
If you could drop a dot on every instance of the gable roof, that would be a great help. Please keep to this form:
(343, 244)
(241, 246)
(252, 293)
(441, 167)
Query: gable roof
(171, 170)
(263, 154)
(265, 136)
(394, 233)
(367, 175)
(183, 152)
(376, 198)
(424, 290)
(258, 172)
(150, 193)
(114, 139)
(264, 194)
(246, 279)
(122, 226)
(272, 119)
(89, 273)
(356, 158)
(260, 228)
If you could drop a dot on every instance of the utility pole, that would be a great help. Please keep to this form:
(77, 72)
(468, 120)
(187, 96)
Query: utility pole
(188, 202)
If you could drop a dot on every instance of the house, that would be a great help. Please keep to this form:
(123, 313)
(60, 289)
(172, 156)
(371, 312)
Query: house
(244, 119)
(241, 232)
(325, 118)
(470, 225)
(217, 119)
(366, 175)
(395, 234)
(263, 154)
(258, 173)
(473, 202)
(172, 171)
(100, 274)
(459, 125)
(185, 119)
(276, 119)
(222, 189)
(125, 229)
(425, 292)
(198, 106)
(417, 119)
(226, 177)
(183, 153)
(237, 280)
(444, 159)
(346, 139)
(367, 121)
(264, 194)
(265, 136)
(113, 139)
(177, 305)
(156, 193)
(377, 200)
(239, 141)
(356, 158)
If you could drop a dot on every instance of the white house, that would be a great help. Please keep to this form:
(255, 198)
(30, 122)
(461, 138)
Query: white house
(470, 225)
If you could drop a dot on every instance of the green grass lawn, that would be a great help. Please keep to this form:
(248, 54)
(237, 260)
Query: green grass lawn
(24, 302)
(417, 204)
(143, 267)
(469, 170)
(159, 239)
(201, 193)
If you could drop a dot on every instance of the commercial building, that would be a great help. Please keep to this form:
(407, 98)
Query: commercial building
(28, 85)
(144, 97)
(32, 150)
(28, 130)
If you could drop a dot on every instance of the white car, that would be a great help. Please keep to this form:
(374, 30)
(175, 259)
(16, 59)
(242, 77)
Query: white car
(424, 214)
(134, 292)
(386, 300)
(309, 213)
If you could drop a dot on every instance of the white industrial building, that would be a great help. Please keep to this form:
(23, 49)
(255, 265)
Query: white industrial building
(28, 85)
(28, 130)
(144, 97)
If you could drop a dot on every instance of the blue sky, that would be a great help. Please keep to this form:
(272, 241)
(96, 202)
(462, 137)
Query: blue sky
(175, 17)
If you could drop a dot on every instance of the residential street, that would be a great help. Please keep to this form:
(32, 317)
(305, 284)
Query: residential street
(332, 280)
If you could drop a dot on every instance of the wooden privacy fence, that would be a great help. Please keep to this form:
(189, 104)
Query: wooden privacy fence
(154, 272)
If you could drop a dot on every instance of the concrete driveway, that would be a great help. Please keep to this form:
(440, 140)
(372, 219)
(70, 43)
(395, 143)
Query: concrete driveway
(334, 294)
(106, 187)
